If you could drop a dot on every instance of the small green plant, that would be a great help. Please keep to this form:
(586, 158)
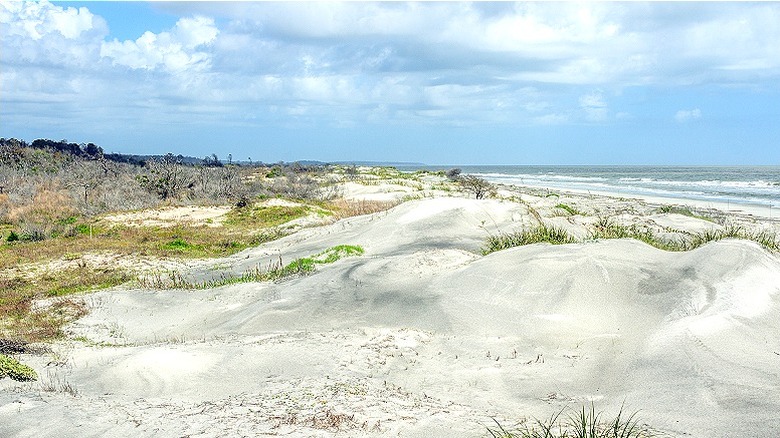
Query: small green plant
(12, 368)
(177, 244)
(12, 237)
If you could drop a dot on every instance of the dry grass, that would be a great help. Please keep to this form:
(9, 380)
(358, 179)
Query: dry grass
(344, 208)
(19, 289)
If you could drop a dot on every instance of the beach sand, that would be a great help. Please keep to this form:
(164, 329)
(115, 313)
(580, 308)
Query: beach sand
(424, 336)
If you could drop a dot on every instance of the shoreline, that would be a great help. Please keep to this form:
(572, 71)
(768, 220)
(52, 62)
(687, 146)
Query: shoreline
(750, 210)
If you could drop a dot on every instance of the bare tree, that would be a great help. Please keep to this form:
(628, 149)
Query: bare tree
(167, 176)
(478, 186)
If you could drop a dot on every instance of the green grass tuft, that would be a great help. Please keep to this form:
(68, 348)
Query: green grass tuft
(542, 233)
(585, 423)
(177, 244)
(12, 368)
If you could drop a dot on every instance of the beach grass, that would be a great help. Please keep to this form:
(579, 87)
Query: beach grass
(568, 209)
(685, 211)
(539, 234)
(582, 423)
(606, 228)
(274, 272)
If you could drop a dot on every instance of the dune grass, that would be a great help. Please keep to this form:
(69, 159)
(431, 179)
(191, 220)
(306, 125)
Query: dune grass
(568, 209)
(539, 234)
(583, 423)
(685, 211)
(605, 228)
(274, 272)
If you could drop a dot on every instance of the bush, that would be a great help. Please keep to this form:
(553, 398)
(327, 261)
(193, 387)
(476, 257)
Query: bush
(478, 186)
(453, 174)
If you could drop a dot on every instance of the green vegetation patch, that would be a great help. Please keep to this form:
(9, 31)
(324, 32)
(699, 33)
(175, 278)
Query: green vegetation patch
(605, 228)
(264, 216)
(297, 267)
(179, 244)
(13, 369)
(540, 234)
(338, 252)
(82, 279)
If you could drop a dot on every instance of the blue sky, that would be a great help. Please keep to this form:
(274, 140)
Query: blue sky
(432, 82)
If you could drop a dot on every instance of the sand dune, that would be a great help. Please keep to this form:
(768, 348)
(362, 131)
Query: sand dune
(422, 336)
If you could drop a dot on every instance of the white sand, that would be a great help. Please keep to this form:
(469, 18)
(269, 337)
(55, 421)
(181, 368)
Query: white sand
(171, 216)
(422, 336)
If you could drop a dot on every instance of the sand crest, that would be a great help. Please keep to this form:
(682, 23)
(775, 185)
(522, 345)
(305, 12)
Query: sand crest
(423, 336)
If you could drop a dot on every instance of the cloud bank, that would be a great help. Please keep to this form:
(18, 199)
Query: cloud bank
(346, 64)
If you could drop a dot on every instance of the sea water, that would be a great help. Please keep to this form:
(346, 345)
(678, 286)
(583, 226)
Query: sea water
(757, 186)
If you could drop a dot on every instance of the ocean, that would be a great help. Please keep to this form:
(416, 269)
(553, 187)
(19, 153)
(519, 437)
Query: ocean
(757, 186)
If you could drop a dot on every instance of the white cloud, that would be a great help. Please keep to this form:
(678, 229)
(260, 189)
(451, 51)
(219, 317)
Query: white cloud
(438, 62)
(683, 116)
(175, 51)
(38, 19)
(594, 106)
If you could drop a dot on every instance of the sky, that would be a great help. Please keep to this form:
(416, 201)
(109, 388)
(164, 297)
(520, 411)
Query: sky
(656, 83)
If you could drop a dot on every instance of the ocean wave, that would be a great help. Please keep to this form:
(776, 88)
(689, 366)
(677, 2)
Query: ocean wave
(757, 192)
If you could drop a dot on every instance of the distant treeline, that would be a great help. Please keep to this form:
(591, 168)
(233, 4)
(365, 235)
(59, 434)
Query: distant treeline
(13, 147)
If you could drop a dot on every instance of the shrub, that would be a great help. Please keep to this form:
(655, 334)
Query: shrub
(453, 174)
(478, 186)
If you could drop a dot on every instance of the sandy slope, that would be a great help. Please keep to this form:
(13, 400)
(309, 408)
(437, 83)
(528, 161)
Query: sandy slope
(421, 336)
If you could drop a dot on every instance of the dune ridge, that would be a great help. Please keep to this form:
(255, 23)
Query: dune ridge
(423, 336)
